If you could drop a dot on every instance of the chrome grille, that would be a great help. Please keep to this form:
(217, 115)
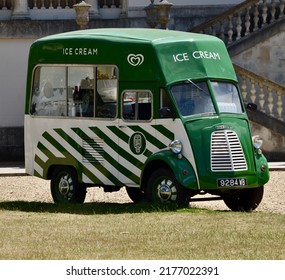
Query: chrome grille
(226, 152)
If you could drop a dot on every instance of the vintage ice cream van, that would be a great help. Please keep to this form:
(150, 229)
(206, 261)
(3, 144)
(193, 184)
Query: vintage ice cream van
(158, 112)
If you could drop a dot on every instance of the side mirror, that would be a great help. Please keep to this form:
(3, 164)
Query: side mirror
(251, 106)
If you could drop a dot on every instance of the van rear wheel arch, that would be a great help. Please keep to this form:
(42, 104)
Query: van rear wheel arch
(64, 185)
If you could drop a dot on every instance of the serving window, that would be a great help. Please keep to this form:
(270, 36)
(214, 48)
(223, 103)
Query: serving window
(75, 91)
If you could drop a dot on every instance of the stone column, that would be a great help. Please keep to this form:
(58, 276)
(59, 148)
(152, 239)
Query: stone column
(20, 10)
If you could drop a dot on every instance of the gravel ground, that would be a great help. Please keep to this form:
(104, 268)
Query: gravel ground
(28, 188)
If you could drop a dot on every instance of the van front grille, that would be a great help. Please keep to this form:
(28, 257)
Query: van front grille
(226, 152)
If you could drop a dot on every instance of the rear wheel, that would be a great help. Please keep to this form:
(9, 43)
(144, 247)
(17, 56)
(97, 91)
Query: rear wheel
(244, 200)
(163, 188)
(65, 187)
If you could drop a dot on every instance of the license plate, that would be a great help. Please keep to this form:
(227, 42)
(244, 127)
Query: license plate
(232, 182)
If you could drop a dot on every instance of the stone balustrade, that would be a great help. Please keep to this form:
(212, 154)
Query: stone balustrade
(57, 4)
(6, 9)
(238, 22)
(59, 9)
(268, 95)
(242, 19)
(109, 3)
(6, 4)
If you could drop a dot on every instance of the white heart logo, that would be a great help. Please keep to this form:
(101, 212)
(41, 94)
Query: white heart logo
(135, 59)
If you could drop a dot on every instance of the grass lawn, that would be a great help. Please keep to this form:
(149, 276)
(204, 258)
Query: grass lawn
(31, 230)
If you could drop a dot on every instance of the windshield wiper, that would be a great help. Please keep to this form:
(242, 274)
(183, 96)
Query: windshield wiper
(194, 84)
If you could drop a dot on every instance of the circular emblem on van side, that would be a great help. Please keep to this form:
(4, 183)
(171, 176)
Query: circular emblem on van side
(135, 59)
(137, 143)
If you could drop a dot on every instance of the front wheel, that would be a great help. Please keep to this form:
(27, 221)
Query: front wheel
(65, 187)
(163, 188)
(135, 194)
(244, 200)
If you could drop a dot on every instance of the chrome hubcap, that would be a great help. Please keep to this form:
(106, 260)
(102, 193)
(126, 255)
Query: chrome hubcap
(166, 190)
(65, 185)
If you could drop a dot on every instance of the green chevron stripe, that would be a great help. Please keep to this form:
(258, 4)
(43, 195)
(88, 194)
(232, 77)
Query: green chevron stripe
(39, 161)
(164, 131)
(70, 159)
(147, 153)
(90, 140)
(120, 151)
(80, 150)
(150, 138)
(123, 136)
(128, 173)
(45, 150)
(117, 131)
(108, 158)
(37, 174)
(57, 145)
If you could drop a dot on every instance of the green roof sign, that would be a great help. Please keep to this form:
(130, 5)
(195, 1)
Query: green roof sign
(140, 54)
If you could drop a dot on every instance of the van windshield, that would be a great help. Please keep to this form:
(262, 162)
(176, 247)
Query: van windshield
(227, 97)
(192, 98)
(195, 98)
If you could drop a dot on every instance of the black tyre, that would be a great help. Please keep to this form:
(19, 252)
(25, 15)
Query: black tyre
(163, 188)
(135, 194)
(65, 187)
(244, 200)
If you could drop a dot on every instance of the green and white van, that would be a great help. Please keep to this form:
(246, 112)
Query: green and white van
(158, 112)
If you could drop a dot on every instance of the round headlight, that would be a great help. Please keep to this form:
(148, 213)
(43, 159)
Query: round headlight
(257, 141)
(176, 146)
